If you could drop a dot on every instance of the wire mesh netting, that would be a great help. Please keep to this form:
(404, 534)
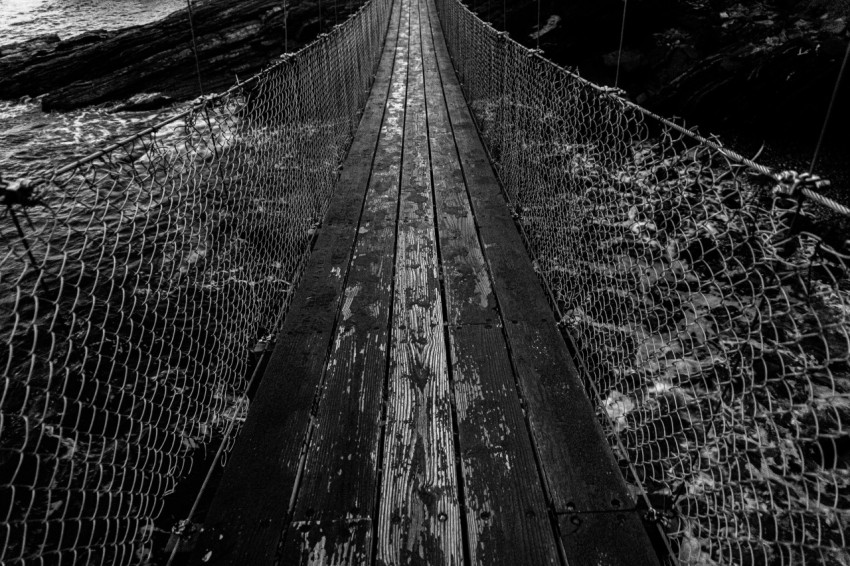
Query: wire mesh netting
(709, 310)
(135, 285)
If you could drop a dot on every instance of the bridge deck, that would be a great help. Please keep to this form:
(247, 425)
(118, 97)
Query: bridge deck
(420, 406)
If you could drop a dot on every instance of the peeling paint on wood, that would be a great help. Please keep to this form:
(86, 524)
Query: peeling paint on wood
(328, 543)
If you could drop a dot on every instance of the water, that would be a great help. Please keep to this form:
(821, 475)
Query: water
(33, 142)
(24, 19)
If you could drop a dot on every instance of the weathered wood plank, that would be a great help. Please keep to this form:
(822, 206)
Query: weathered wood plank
(578, 464)
(492, 214)
(339, 480)
(506, 510)
(529, 321)
(419, 519)
(580, 471)
(344, 542)
(469, 294)
(508, 522)
(619, 539)
(247, 516)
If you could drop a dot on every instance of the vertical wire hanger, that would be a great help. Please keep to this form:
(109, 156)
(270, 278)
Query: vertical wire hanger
(620, 50)
(830, 108)
(538, 25)
(195, 46)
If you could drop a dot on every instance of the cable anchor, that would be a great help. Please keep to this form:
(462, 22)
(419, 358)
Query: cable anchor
(790, 183)
(614, 91)
(20, 192)
(185, 529)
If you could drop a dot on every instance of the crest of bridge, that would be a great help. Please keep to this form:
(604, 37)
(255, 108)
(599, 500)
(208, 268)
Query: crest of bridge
(420, 406)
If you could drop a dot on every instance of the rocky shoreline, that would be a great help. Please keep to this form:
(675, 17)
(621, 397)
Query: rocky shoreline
(233, 40)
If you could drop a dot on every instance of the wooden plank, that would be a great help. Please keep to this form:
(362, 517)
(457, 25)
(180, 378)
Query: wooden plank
(492, 215)
(340, 474)
(247, 516)
(336, 543)
(469, 294)
(508, 522)
(419, 518)
(579, 468)
(539, 351)
(617, 539)
(506, 510)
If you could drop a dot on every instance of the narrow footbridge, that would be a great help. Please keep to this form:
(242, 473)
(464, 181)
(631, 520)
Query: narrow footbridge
(416, 295)
(420, 406)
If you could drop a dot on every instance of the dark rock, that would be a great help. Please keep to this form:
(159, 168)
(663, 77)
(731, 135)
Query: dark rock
(40, 45)
(629, 60)
(233, 38)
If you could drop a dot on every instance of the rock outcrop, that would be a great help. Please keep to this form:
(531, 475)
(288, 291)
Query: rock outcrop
(233, 39)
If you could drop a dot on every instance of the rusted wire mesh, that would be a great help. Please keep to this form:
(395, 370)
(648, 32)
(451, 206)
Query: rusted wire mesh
(709, 310)
(134, 286)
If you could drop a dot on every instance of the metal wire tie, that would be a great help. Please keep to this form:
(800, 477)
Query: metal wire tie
(790, 183)
(184, 529)
(613, 91)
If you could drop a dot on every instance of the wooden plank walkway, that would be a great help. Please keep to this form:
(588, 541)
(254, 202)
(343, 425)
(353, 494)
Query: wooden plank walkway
(420, 406)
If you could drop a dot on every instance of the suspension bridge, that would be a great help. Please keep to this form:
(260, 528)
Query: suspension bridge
(417, 295)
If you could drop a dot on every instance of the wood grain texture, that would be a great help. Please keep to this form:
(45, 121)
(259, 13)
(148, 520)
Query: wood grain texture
(509, 260)
(469, 294)
(339, 481)
(507, 517)
(506, 510)
(578, 464)
(248, 513)
(328, 543)
(419, 519)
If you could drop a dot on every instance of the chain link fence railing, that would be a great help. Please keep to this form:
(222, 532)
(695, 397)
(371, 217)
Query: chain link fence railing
(707, 299)
(134, 286)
